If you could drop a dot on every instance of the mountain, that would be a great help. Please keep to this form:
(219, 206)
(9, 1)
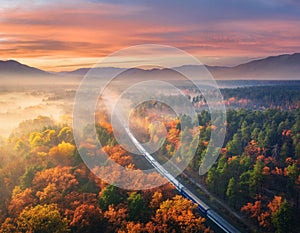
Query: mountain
(83, 71)
(276, 67)
(11, 68)
(282, 67)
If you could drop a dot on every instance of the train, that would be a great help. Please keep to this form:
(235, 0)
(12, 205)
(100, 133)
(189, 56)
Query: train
(202, 207)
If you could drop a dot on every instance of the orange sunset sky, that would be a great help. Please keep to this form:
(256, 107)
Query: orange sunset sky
(65, 35)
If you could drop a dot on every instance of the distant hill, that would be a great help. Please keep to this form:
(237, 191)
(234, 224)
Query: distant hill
(275, 67)
(11, 68)
(83, 71)
(282, 67)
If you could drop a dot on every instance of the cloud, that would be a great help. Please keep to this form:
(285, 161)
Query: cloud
(89, 29)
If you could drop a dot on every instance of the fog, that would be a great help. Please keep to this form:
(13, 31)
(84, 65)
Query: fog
(23, 100)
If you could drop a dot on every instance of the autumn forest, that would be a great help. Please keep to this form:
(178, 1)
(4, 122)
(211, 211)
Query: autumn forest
(46, 187)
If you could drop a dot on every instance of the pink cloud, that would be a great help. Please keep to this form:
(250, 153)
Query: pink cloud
(97, 29)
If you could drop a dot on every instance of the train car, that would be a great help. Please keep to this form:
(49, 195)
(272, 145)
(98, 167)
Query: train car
(222, 223)
(203, 208)
(200, 204)
(175, 182)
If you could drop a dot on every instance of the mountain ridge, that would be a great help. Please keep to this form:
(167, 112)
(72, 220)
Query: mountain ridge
(284, 66)
(17, 69)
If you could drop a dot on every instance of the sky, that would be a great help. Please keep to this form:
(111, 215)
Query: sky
(65, 35)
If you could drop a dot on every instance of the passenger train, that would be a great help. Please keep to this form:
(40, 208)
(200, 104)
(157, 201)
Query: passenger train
(202, 207)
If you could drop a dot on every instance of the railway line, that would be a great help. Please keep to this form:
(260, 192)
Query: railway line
(202, 207)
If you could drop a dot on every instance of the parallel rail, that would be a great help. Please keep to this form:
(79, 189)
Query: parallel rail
(202, 207)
